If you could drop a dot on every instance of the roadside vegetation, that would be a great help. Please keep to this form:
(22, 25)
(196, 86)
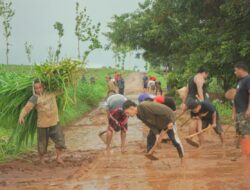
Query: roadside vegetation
(15, 139)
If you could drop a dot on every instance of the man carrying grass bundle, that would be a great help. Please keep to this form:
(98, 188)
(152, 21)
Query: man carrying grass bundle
(47, 120)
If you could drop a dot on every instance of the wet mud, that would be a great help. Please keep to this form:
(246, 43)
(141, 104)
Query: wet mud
(89, 167)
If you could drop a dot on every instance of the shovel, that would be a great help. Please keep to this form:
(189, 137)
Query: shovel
(185, 122)
(193, 143)
(151, 157)
(151, 151)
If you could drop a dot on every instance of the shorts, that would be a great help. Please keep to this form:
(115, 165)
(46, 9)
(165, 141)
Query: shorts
(242, 124)
(145, 85)
(55, 133)
(118, 121)
(217, 129)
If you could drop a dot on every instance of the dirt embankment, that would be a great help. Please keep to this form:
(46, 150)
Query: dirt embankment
(87, 167)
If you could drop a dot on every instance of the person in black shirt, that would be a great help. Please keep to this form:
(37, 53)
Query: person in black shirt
(207, 114)
(241, 104)
(121, 84)
(196, 89)
(145, 82)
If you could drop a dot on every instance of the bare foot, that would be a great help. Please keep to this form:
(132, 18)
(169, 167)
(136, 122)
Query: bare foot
(59, 161)
(108, 152)
(142, 151)
(123, 150)
(40, 162)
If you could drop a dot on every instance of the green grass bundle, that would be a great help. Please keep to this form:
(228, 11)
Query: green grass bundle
(16, 89)
(58, 76)
(14, 93)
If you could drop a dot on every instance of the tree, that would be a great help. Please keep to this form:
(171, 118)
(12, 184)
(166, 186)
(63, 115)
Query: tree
(85, 31)
(185, 34)
(1, 7)
(28, 49)
(7, 14)
(51, 55)
(120, 54)
(59, 27)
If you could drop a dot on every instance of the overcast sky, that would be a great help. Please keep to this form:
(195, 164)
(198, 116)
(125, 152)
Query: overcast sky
(34, 19)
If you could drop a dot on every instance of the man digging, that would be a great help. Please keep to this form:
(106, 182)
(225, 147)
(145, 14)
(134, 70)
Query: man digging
(207, 116)
(117, 120)
(159, 118)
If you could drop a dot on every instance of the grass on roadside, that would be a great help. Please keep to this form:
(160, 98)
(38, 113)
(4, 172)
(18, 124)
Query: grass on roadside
(88, 96)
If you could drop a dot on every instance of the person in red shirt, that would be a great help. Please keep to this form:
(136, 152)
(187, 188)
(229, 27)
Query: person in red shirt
(166, 100)
(152, 78)
(116, 77)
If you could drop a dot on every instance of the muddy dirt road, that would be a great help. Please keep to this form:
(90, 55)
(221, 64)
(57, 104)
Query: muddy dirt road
(211, 167)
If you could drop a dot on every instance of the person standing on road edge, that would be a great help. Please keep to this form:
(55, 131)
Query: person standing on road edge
(242, 104)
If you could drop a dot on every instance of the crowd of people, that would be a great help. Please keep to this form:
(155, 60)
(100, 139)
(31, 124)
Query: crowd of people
(151, 84)
(157, 112)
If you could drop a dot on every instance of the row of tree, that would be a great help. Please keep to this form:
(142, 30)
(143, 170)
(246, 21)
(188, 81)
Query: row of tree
(85, 31)
(182, 35)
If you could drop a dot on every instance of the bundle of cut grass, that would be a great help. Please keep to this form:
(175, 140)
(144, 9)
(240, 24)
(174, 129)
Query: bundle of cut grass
(58, 76)
(16, 89)
(14, 93)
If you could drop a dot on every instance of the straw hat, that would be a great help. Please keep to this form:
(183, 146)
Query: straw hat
(230, 94)
(182, 91)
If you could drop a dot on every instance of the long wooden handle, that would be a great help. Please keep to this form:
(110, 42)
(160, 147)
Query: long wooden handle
(185, 122)
(151, 151)
(181, 114)
(202, 131)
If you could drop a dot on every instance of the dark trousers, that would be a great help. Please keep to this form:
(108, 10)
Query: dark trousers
(121, 91)
(151, 138)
